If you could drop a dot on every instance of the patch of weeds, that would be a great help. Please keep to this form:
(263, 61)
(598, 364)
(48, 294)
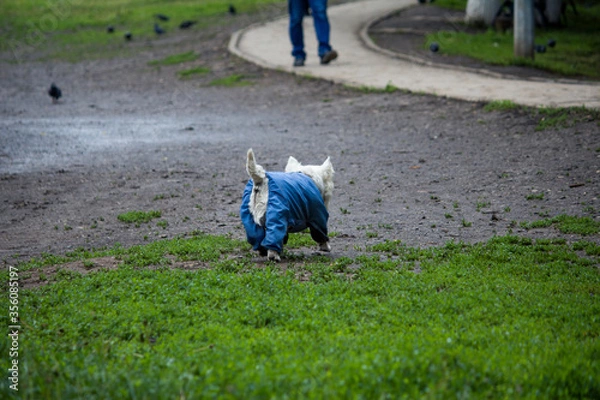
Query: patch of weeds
(567, 224)
(389, 88)
(344, 211)
(234, 80)
(590, 248)
(535, 196)
(481, 204)
(189, 73)
(175, 59)
(500, 105)
(139, 217)
(162, 224)
(466, 224)
(556, 118)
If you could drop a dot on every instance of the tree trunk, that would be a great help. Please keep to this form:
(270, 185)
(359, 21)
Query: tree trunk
(524, 29)
(482, 11)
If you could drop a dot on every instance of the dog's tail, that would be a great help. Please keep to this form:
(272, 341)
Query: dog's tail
(256, 172)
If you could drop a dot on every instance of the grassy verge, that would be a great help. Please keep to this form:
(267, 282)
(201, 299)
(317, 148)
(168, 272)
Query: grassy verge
(234, 80)
(510, 318)
(548, 117)
(64, 28)
(576, 52)
(175, 59)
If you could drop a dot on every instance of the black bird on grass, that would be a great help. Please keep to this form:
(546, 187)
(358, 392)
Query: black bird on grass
(127, 36)
(162, 17)
(434, 47)
(540, 48)
(158, 30)
(232, 10)
(186, 24)
(55, 93)
(551, 42)
(110, 29)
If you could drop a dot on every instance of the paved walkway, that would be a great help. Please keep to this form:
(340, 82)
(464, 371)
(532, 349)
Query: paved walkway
(361, 63)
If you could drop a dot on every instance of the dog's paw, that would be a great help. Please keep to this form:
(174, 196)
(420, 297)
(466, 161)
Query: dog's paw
(324, 247)
(273, 256)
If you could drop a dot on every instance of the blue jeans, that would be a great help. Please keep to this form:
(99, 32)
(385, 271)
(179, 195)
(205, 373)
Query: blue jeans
(296, 10)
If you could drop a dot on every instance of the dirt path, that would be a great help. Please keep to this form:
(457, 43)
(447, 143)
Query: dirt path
(127, 136)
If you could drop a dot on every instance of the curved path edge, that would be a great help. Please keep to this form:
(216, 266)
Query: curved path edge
(363, 64)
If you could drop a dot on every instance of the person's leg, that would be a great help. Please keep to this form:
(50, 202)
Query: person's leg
(296, 10)
(319, 14)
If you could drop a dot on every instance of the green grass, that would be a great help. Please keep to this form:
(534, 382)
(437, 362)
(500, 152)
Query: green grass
(65, 28)
(191, 72)
(500, 105)
(567, 224)
(138, 217)
(509, 318)
(175, 59)
(233, 80)
(548, 117)
(577, 52)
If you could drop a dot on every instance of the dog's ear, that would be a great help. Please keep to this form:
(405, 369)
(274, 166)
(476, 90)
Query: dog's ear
(293, 165)
(256, 172)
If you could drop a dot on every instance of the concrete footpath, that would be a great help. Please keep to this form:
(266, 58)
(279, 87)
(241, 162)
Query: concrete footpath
(362, 63)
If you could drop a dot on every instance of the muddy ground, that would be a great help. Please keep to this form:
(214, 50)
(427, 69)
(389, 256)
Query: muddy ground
(128, 136)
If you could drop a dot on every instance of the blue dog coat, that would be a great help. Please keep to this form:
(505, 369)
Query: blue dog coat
(294, 204)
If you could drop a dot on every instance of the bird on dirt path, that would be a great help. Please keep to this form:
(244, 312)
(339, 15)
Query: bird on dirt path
(127, 36)
(55, 93)
(158, 30)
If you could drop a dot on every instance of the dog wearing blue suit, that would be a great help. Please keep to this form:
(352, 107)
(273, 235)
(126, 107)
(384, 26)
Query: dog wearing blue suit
(275, 204)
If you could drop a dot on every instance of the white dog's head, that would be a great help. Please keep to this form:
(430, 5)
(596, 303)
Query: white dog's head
(260, 191)
(322, 175)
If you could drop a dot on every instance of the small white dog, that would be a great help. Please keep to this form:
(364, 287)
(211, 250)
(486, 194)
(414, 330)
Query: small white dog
(277, 203)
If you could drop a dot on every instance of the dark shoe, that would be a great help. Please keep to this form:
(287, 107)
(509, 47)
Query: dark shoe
(329, 57)
(298, 62)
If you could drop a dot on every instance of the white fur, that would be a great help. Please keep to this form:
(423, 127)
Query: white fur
(322, 175)
(260, 191)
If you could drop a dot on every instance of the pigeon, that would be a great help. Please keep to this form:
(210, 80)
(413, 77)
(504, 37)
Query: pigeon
(55, 93)
(540, 48)
(434, 47)
(158, 29)
(110, 29)
(186, 24)
(161, 17)
(232, 9)
(127, 35)
(551, 42)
